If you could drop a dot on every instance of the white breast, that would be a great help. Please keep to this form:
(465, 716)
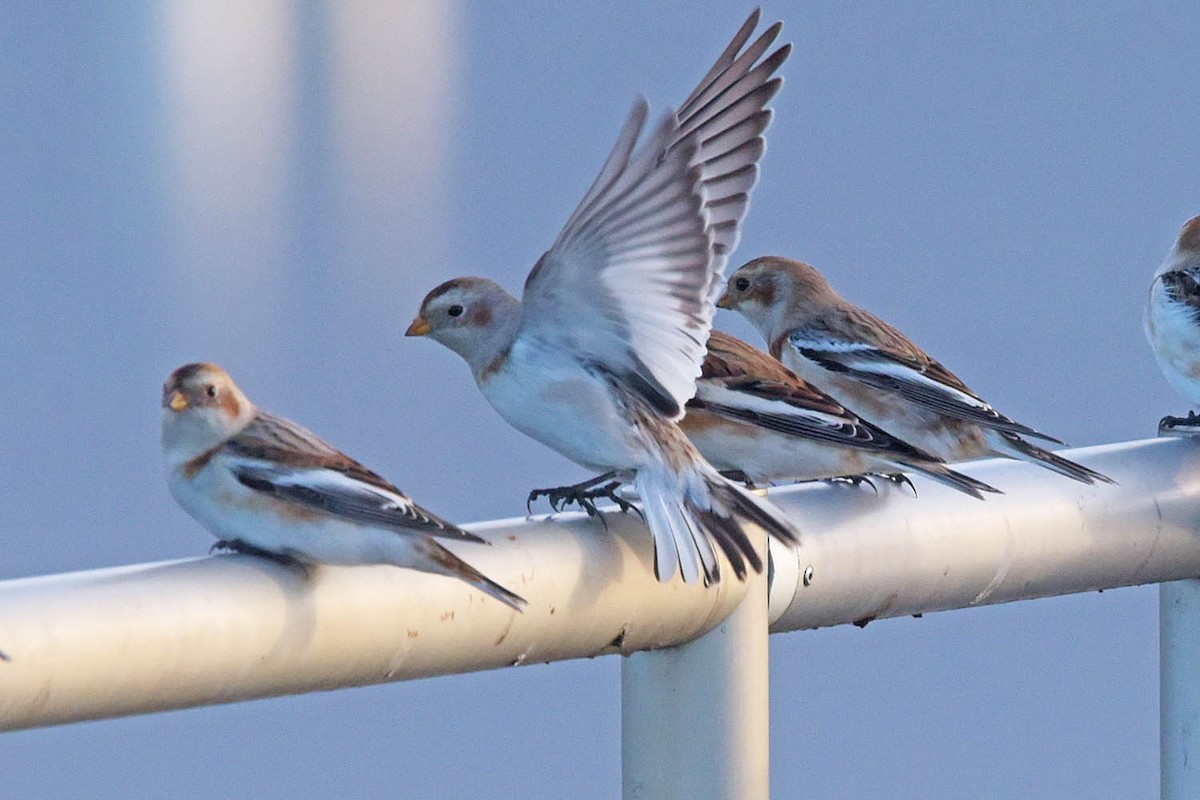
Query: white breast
(550, 397)
(1175, 337)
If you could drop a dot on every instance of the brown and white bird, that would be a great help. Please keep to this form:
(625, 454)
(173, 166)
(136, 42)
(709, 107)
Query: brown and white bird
(598, 357)
(755, 419)
(262, 484)
(876, 370)
(1172, 321)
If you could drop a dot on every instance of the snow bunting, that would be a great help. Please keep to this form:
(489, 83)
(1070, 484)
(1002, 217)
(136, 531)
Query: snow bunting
(263, 484)
(599, 356)
(756, 420)
(1173, 321)
(876, 370)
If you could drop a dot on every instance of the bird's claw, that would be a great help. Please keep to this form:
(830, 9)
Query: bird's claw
(241, 548)
(1180, 426)
(738, 476)
(854, 480)
(584, 496)
(900, 479)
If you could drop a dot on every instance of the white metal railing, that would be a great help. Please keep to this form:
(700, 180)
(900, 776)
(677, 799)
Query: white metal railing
(149, 637)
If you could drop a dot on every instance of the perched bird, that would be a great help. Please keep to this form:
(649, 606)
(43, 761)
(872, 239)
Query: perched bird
(1173, 321)
(876, 370)
(264, 485)
(599, 356)
(756, 420)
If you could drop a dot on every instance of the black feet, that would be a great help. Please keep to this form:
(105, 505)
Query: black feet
(900, 479)
(236, 546)
(1180, 426)
(854, 480)
(737, 476)
(584, 495)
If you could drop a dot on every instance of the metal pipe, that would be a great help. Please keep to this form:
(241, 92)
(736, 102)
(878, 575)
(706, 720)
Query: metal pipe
(1179, 689)
(863, 558)
(171, 635)
(150, 637)
(695, 719)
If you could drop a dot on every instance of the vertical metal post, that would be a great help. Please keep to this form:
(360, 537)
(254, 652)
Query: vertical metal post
(1179, 689)
(694, 718)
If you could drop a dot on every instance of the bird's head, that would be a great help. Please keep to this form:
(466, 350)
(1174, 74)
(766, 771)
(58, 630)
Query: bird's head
(202, 407)
(474, 317)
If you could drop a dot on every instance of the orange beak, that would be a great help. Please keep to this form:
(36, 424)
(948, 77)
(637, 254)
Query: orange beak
(419, 327)
(176, 401)
(726, 301)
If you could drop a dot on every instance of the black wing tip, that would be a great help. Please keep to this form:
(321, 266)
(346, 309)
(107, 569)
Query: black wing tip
(508, 598)
(775, 60)
(1045, 437)
(1053, 461)
(964, 483)
(739, 38)
(441, 527)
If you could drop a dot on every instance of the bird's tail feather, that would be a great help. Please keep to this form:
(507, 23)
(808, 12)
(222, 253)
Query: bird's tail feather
(691, 511)
(449, 564)
(1019, 448)
(679, 539)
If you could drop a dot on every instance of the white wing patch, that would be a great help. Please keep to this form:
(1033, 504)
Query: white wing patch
(756, 404)
(340, 496)
(877, 368)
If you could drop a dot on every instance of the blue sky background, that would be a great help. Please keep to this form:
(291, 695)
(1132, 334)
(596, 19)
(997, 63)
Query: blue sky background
(274, 187)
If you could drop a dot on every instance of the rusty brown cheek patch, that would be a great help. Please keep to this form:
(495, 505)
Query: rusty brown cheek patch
(481, 315)
(764, 293)
(230, 405)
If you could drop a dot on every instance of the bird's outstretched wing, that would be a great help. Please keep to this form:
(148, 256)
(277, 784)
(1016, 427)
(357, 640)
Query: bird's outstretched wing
(628, 284)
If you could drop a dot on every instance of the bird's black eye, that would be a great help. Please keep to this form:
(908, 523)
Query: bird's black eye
(210, 390)
(742, 284)
(455, 310)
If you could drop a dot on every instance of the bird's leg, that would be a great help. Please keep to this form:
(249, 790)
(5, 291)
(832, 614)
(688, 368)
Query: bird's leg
(238, 546)
(1180, 426)
(738, 476)
(579, 493)
(584, 495)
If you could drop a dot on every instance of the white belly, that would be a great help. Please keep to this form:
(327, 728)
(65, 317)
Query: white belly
(234, 512)
(771, 457)
(1175, 337)
(553, 399)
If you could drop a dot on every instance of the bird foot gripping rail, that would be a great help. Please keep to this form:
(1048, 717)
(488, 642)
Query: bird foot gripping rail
(150, 637)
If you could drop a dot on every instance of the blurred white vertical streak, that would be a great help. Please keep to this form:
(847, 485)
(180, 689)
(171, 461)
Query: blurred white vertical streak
(395, 78)
(230, 85)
